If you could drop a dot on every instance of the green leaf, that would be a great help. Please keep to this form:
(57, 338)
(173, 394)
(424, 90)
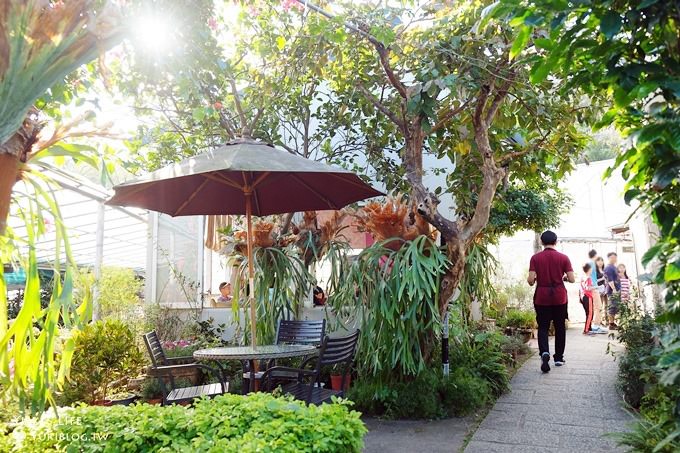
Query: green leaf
(610, 24)
(280, 42)
(672, 271)
(649, 134)
(544, 43)
(541, 70)
(630, 195)
(665, 175)
(520, 41)
(651, 254)
(645, 3)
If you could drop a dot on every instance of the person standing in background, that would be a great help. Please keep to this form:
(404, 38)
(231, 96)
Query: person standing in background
(597, 302)
(549, 270)
(602, 289)
(586, 294)
(614, 288)
(624, 282)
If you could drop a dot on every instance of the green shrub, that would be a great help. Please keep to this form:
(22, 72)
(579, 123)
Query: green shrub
(463, 392)
(105, 352)
(518, 319)
(430, 395)
(482, 354)
(228, 423)
(636, 366)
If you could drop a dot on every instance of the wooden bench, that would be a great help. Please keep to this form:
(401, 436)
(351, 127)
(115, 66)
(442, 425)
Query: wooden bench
(163, 367)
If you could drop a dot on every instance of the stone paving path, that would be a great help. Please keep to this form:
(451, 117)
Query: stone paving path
(569, 409)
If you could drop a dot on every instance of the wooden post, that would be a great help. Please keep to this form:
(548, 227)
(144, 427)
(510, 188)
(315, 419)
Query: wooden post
(251, 269)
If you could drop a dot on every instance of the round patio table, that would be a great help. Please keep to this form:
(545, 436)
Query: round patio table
(252, 355)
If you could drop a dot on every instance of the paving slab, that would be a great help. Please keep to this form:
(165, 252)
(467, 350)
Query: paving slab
(572, 408)
(405, 436)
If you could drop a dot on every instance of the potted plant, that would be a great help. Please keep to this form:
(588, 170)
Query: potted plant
(336, 379)
(122, 398)
(151, 391)
(519, 322)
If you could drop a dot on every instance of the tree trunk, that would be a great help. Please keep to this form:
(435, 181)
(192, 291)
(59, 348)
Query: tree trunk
(451, 279)
(9, 170)
(12, 154)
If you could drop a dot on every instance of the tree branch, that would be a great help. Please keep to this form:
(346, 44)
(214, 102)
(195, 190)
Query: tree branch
(253, 123)
(514, 155)
(498, 99)
(239, 107)
(445, 117)
(382, 107)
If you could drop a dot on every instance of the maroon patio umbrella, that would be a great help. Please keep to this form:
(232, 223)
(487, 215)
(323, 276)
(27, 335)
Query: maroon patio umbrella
(244, 177)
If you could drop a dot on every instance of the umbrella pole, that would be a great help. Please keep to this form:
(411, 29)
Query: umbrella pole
(251, 270)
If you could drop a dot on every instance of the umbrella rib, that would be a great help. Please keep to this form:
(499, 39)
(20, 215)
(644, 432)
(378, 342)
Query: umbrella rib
(222, 180)
(262, 177)
(361, 185)
(191, 197)
(301, 181)
(134, 191)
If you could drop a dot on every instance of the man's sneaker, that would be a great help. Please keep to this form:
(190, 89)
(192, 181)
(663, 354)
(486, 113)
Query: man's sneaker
(559, 362)
(545, 358)
(599, 329)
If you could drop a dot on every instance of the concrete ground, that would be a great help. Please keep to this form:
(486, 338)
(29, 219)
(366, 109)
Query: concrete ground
(388, 436)
(570, 409)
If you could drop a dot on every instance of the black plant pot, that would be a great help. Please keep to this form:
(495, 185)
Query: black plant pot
(124, 401)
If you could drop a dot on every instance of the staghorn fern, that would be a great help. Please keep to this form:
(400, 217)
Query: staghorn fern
(40, 43)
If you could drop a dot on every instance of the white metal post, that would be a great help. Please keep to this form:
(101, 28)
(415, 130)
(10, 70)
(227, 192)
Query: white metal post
(200, 263)
(98, 260)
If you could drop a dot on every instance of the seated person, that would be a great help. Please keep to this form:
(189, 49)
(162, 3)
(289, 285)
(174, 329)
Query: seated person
(319, 297)
(225, 293)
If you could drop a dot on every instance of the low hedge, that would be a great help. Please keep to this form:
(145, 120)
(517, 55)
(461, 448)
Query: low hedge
(227, 423)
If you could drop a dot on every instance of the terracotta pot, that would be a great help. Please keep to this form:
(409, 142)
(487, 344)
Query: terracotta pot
(102, 403)
(336, 381)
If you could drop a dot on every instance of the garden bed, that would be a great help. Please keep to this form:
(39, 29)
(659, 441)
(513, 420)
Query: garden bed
(228, 423)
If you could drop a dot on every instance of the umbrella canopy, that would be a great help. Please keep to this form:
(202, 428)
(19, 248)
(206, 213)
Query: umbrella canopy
(244, 177)
(215, 183)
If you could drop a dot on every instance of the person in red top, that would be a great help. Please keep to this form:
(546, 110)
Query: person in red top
(549, 270)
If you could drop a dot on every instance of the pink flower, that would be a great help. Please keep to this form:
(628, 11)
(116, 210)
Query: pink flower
(212, 24)
(288, 4)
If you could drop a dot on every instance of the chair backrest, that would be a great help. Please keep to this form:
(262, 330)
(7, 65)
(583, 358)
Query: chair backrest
(153, 345)
(339, 349)
(301, 332)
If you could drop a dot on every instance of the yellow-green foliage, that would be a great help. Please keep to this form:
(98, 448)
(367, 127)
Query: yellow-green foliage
(229, 423)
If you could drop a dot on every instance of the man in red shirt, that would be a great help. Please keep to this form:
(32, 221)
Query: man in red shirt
(549, 270)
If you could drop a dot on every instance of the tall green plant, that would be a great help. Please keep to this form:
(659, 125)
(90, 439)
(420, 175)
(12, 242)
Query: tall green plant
(476, 282)
(282, 283)
(34, 362)
(395, 296)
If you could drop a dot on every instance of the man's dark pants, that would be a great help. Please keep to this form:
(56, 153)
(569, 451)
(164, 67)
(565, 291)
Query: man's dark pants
(558, 315)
